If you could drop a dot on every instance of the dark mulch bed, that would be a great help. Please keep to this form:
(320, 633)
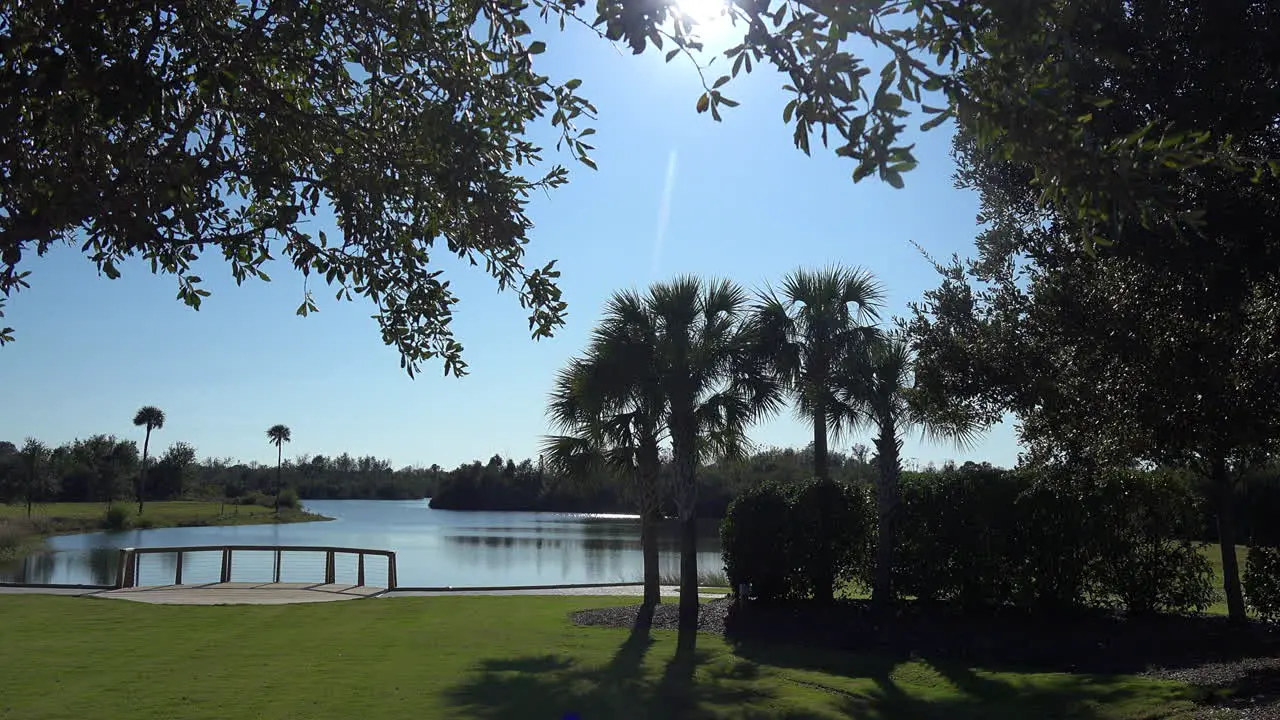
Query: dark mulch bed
(1205, 651)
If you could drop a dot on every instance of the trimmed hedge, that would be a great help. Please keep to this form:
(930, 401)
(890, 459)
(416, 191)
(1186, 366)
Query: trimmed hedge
(793, 542)
(1051, 539)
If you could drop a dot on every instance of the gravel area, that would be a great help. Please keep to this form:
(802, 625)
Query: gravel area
(1255, 684)
(711, 616)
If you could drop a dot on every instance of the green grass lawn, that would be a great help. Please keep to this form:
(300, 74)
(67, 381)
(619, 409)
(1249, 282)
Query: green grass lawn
(173, 513)
(481, 657)
(1214, 555)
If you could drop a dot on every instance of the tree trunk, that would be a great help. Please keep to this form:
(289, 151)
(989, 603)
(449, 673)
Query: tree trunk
(279, 460)
(887, 449)
(821, 469)
(1222, 491)
(649, 552)
(689, 574)
(650, 516)
(142, 474)
(684, 447)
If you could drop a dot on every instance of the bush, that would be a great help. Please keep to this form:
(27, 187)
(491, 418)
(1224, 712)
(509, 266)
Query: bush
(256, 498)
(794, 542)
(1050, 538)
(828, 536)
(116, 518)
(1147, 564)
(289, 498)
(755, 535)
(1262, 582)
(955, 535)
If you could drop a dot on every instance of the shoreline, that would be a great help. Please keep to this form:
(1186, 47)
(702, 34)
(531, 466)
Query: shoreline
(26, 535)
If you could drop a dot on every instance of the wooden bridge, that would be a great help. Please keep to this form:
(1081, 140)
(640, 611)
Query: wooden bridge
(251, 574)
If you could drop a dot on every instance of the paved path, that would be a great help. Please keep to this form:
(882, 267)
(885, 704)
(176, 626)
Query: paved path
(241, 593)
(623, 590)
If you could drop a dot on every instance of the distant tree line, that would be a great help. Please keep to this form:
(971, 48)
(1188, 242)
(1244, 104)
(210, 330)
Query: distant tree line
(524, 486)
(105, 468)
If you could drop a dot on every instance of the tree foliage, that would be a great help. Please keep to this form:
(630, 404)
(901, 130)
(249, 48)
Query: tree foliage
(168, 131)
(1160, 347)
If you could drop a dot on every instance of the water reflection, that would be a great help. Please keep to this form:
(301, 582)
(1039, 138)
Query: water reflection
(433, 547)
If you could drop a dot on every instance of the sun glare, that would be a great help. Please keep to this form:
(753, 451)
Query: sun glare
(710, 17)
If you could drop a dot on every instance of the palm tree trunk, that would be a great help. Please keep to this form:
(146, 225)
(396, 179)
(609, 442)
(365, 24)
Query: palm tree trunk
(650, 515)
(684, 448)
(887, 500)
(689, 573)
(1222, 490)
(279, 458)
(142, 474)
(821, 469)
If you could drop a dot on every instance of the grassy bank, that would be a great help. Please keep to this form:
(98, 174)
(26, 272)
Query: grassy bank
(20, 534)
(423, 657)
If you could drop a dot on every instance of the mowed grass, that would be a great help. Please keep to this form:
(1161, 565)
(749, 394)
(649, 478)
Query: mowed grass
(1214, 554)
(173, 513)
(481, 657)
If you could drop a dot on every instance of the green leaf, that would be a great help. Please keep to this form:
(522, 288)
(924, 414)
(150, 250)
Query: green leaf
(894, 178)
(704, 103)
(672, 54)
(721, 82)
(537, 47)
(589, 162)
(573, 84)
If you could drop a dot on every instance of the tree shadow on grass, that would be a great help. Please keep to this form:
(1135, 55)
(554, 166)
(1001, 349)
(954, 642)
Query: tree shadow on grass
(956, 690)
(557, 687)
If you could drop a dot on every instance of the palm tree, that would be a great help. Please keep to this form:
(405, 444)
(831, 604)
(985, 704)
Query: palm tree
(609, 414)
(152, 418)
(278, 435)
(878, 389)
(34, 473)
(808, 330)
(700, 344)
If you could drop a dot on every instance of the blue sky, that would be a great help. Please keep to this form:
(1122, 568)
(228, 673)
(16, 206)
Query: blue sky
(675, 193)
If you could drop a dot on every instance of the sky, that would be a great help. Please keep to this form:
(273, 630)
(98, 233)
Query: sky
(675, 193)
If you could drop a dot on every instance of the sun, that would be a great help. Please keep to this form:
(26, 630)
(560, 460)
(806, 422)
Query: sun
(710, 17)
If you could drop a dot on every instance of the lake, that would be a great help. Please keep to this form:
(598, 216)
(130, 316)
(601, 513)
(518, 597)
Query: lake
(433, 547)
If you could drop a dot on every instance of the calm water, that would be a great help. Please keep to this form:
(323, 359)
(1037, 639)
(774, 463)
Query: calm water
(433, 547)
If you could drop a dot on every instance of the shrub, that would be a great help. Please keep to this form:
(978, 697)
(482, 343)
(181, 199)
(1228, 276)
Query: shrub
(116, 518)
(827, 536)
(14, 533)
(1262, 582)
(289, 498)
(754, 535)
(955, 530)
(256, 498)
(794, 542)
(1146, 563)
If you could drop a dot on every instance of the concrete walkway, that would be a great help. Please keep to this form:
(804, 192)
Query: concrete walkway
(241, 593)
(597, 591)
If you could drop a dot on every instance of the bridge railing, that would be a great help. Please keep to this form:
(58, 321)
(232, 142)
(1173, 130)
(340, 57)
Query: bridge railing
(200, 564)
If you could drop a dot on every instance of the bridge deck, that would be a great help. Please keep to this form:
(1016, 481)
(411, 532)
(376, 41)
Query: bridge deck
(241, 593)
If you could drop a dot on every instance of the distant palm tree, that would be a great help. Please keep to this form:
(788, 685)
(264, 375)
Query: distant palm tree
(152, 418)
(878, 389)
(279, 435)
(609, 410)
(808, 328)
